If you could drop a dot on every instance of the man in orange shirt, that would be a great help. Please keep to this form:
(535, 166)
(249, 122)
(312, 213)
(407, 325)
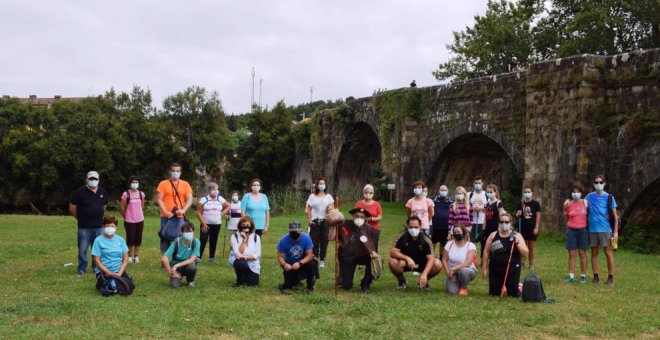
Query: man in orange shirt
(175, 196)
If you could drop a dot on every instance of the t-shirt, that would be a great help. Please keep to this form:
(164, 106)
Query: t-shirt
(319, 205)
(478, 200)
(458, 255)
(417, 249)
(184, 252)
(212, 209)
(134, 213)
(599, 221)
(492, 216)
(441, 216)
(234, 215)
(166, 188)
(420, 208)
(256, 209)
(529, 210)
(577, 214)
(90, 206)
(374, 209)
(111, 251)
(294, 251)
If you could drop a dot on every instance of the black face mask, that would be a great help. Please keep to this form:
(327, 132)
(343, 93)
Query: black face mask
(458, 237)
(294, 235)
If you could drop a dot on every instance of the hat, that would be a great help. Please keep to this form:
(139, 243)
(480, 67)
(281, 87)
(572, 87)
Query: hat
(295, 226)
(360, 210)
(92, 174)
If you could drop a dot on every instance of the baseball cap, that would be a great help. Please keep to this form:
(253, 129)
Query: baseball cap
(295, 226)
(93, 174)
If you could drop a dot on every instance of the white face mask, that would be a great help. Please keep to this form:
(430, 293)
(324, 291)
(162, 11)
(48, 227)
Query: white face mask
(417, 191)
(505, 226)
(527, 195)
(234, 198)
(576, 195)
(460, 197)
(109, 230)
(93, 183)
(358, 222)
(425, 193)
(134, 186)
(599, 187)
(443, 193)
(414, 232)
(256, 188)
(188, 236)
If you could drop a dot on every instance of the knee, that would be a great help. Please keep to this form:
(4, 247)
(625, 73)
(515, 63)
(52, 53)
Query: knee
(396, 266)
(191, 268)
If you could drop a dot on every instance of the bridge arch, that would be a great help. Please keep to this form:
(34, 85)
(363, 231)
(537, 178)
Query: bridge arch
(359, 159)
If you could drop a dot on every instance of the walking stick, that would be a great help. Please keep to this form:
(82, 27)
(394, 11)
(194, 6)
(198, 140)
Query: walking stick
(224, 237)
(337, 261)
(508, 264)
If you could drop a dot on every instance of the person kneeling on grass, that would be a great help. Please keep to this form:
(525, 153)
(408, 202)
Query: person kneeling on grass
(110, 255)
(358, 242)
(246, 253)
(296, 256)
(184, 252)
(413, 251)
(504, 249)
(459, 259)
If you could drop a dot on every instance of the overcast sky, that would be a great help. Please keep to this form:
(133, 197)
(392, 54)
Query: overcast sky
(341, 48)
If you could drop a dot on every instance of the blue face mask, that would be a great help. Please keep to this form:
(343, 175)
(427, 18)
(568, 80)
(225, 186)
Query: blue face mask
(460, 197)
(443, 193)
(322, 187)
(477, 187)
(425, 193)
(188, 236)
(234, 198)
(93, 183)
(417, 191)
(134, 186)
(527, 195)
(175, 174)
(599, 187)
(490, 195)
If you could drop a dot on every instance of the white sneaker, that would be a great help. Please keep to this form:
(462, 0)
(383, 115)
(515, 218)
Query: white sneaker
(130, 259)
(136, 259)
(191, 284)
(321, 264)
(415, 273)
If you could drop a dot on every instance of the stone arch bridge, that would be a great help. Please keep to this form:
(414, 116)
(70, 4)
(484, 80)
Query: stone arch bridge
(556, 123)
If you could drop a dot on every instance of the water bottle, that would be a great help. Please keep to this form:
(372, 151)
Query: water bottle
(113, 284)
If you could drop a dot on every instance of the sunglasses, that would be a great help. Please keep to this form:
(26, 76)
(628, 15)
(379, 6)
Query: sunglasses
(92, 178)
(368, 193)
(597, 182)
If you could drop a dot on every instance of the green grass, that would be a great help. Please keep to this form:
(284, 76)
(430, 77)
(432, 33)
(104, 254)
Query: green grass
(43, 299)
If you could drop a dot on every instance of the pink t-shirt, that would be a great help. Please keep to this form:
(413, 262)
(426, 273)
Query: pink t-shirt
(420, 209)
(134, 212)
(577, 214)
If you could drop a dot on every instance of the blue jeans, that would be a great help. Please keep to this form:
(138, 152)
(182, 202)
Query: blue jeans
(86, 239)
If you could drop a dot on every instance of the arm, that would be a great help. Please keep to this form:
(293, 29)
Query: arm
(267, 221)
(395, 253)
(538, 221)
(379, 217)
(484, 259)
(408, 211)
(188, 204)
(500, 208)
(225, 209)
(522, 247)
(256, 254)
(200, 215)
(309, 256)
(73, 209)
(445, 265)
(615, 235)
(99, 264)
(124, 262)
(161, 205)
(424, 276)
(122, 206)
(308, 211)
(283, 263)
(431, 211)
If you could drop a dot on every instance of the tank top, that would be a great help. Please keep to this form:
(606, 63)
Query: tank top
(500, 250)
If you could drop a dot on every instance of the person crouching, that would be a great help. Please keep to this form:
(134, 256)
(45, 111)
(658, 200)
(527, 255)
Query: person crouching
(183, 251)
(296, 256)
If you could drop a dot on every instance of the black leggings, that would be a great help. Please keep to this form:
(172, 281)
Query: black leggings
(318, 231)
(496, 280)
(244, 275)
(213, 232)
(134, 233)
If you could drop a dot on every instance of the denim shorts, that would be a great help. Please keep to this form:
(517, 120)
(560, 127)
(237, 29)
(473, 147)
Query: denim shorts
(577, 238)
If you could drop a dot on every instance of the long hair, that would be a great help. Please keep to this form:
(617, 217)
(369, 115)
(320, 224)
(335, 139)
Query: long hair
(466, 200)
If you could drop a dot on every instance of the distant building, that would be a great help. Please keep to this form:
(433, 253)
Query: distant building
(47, 102)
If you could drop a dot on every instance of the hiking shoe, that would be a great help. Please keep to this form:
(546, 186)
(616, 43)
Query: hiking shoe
(321, 264)
(191, 284)
(81, 273)
(583, 279)
(610, 281)
(595, 280)
(136, 259)
(130, 259)
(213, 260)
(462, 292)
(402, 286)
(531, 267)
(569, 279)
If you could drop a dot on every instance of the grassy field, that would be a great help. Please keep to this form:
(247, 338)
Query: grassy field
(43, 299)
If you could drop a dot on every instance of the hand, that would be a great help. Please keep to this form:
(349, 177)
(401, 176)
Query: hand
(205, 227)
(287, 267)
(309, 223)
(169, 214)
(373, 254)
(243, 235)
(484, 273)
(240, 257)
(615, 236)
(266, 229)
(181, 212)
(296, 266)
(410, 263)
(536, 231)
(450, 275)
(518, 213)
(422, 281)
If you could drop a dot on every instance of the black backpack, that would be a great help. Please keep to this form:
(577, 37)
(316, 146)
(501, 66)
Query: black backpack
(122, 285)
(532, 290)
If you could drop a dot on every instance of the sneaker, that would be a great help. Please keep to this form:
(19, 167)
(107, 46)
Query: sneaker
(569, 279)
(213, 260)
(610, 281)
(321, 264)
(531, 267)
(462, 292)
(415, 273)
(402, 286)
(191, 284)
(136, 259)
(130, 259)
(282, 289)
(81, 273)
(595, 280)
(583, 279)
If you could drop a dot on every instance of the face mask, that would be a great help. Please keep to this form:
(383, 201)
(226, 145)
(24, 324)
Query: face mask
(477, 187)
(414, 232)
(175, 174)
(234, 198)
(215, 193)
(457, 237)
(460, 197)
(246, 230)
(576, 195)
(93, 183)
(322, 187)
(358, 222)
(490, 195)
(425, 193)
(256, 188)
(599, 187)
(188, 236)
(505, 226)
(527, 195)
(294, 235)
(134, 186)
(443, 193)
(417, 191)
(109, 230)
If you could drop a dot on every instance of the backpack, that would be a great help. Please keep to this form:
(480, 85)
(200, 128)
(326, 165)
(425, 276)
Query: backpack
(532, 290)
(117, 285)
(128, 196)
(176, 247)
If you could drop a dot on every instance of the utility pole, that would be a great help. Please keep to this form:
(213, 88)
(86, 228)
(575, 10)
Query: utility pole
(252, 103)
(311, 94)
(261, 82)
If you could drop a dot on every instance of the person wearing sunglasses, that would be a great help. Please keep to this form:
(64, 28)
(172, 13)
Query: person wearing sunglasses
(603, 227)
(503, 253)
(370, 205)
(245, 253)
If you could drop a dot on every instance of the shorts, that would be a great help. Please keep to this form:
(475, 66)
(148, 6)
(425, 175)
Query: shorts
(527, 233)
(577, 239)
(600, 239)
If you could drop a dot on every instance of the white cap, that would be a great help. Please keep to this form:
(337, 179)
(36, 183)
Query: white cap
(93, 174)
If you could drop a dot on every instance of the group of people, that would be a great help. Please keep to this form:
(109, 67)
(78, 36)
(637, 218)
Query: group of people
(456, 223)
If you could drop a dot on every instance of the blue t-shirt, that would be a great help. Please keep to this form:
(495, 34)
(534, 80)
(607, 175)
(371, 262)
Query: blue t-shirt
(111, 251)
(294, 251)
(256, 209)
(184, 252)
(599, 221)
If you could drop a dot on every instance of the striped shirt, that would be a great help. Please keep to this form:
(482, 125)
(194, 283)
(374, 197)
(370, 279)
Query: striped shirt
(459, 215)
